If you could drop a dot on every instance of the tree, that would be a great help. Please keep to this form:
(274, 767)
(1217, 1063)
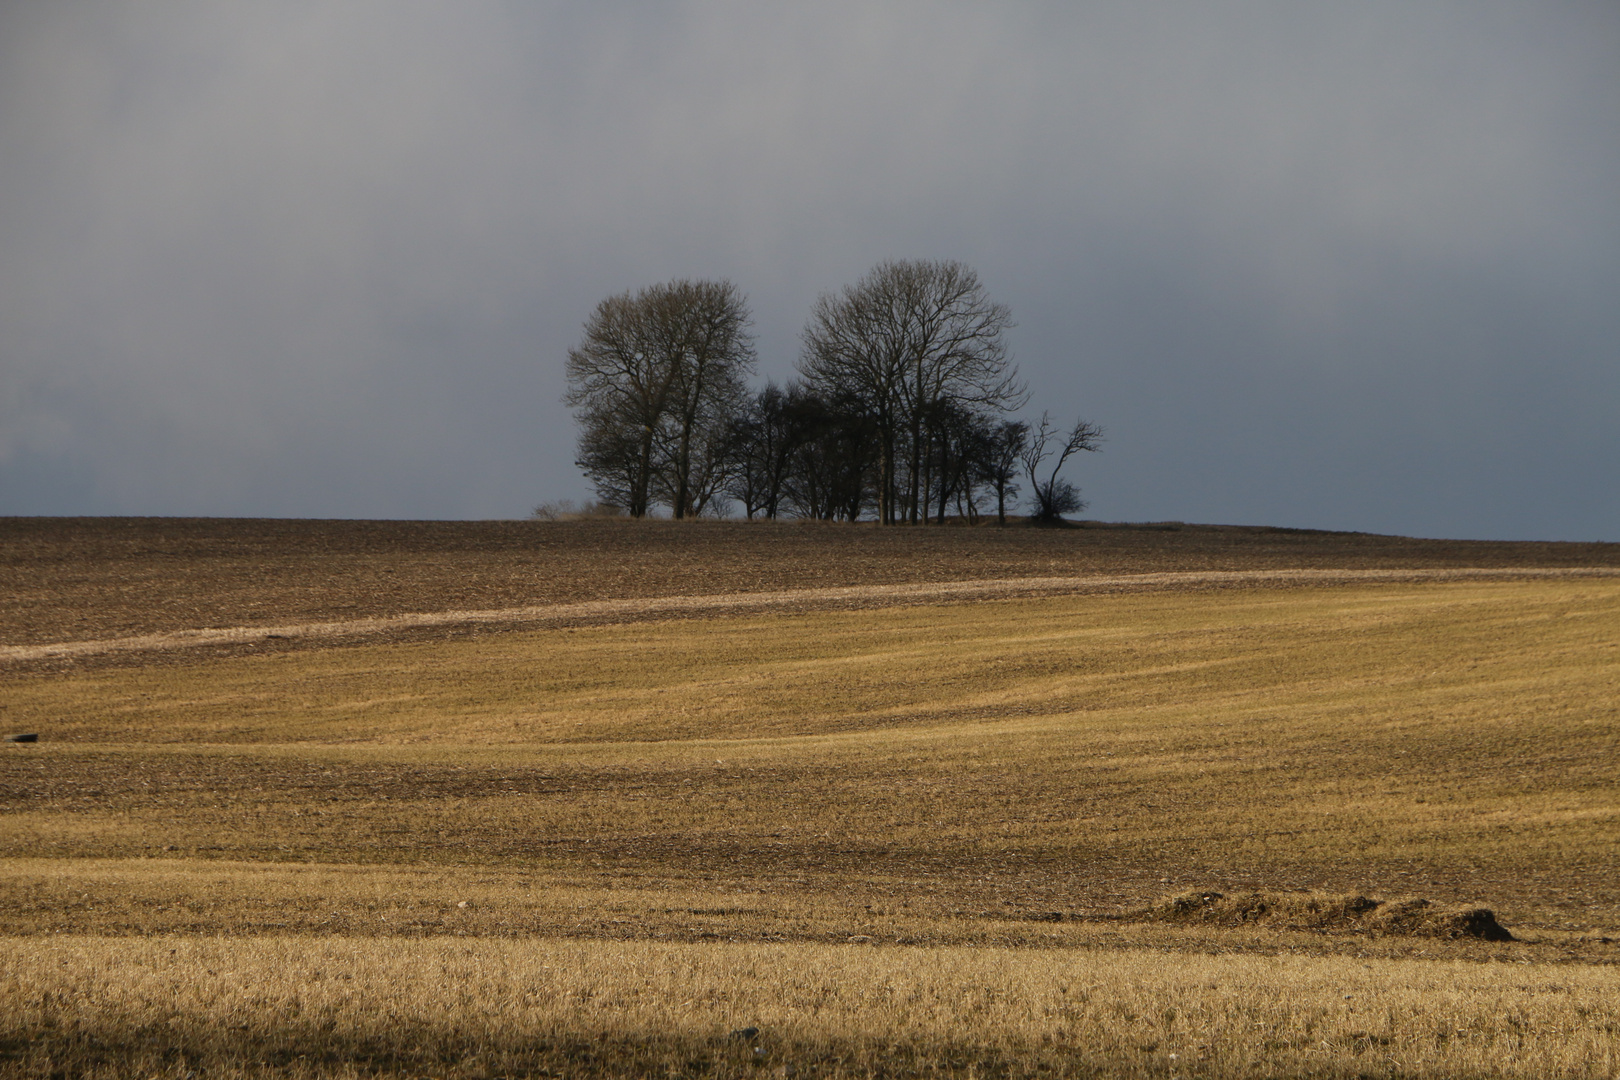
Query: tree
(830, 469)
(616, 454)
(904, 341)
(705, 330)
(708, 466)
(1055, 497)
(998, 468)
(656, 378)
(957, 439)
(764, 437)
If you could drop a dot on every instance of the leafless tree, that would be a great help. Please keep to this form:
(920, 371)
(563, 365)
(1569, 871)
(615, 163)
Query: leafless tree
(1053, 496)
(957, 440)
(616, 453)
(653, 374)
(1003, 454)
(765, 437)
(707, 464)
(904, 341)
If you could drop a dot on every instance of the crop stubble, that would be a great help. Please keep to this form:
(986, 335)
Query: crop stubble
(73, 579)
(1010, 774)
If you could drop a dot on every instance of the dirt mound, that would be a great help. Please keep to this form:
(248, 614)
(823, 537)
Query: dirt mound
(1425, 920)
(1329, 913)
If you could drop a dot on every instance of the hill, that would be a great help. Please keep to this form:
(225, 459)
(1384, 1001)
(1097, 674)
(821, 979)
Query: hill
(72, 579)
(621, 799)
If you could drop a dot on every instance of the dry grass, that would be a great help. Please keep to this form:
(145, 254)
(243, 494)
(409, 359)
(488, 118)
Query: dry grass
(599, 849)
(440, 1007)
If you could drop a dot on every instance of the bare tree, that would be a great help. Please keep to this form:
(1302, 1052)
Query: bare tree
(1053, 496)
(957, 441)
(755, 444)
(705, 331)
(830, 466)
(904, 341)
(708, 466)
(616, 453)
(654, 374)
(998, 468)
(765, 437)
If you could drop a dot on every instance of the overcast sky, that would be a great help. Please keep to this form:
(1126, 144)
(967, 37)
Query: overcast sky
(1351, 266)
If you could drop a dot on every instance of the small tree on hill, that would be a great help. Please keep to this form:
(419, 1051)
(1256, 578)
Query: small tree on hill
(1054, 496)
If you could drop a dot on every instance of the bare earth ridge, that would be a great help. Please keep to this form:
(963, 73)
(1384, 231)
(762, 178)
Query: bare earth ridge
(596, 612)
(87, 580)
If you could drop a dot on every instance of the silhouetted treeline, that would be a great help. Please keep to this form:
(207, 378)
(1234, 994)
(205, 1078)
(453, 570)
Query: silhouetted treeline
(899, 411)
(797, 452)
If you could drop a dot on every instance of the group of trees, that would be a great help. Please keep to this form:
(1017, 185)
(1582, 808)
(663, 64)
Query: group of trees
(899, 411)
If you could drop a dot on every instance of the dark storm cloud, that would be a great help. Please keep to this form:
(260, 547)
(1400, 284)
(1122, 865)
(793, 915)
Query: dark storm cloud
(1333, 265)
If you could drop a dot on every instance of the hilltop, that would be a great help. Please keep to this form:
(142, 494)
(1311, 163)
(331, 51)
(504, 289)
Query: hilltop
(77, 579)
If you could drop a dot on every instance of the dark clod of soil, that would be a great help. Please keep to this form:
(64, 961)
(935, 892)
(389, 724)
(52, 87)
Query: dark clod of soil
(1330, 913)
(1422, 918)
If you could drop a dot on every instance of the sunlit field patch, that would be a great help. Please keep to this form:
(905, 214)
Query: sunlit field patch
(471, 1008)
(930, 799)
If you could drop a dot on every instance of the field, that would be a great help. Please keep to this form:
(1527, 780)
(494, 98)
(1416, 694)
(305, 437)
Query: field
(415, 799)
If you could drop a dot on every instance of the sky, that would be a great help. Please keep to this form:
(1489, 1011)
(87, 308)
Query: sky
(1309, 264)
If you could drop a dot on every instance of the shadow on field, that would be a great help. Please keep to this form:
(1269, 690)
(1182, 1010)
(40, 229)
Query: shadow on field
(309, 1050)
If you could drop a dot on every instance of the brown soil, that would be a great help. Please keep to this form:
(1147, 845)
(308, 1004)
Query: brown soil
(147, 648)
(87, 579)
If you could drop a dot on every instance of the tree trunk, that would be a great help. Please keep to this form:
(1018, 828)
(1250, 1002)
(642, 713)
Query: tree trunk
(638, 493)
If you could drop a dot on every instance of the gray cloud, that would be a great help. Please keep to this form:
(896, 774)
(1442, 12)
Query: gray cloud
(1322, 265)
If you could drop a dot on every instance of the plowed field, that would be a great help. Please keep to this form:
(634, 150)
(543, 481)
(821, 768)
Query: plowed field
(601, 798)
(77, 579)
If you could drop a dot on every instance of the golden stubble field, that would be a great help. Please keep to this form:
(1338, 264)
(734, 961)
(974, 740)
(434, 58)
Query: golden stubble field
(909, 840)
